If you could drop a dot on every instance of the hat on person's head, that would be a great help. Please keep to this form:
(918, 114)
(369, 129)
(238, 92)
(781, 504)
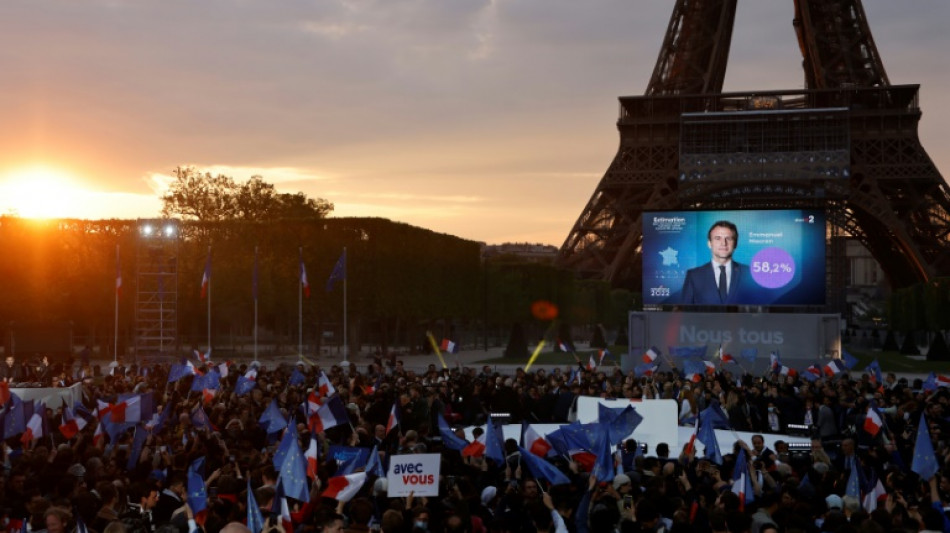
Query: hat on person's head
(621, 480)
(833, 501)
(488, 494)
(77, 470)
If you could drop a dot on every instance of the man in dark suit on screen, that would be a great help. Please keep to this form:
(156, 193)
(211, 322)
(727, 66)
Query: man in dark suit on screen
(721, 281)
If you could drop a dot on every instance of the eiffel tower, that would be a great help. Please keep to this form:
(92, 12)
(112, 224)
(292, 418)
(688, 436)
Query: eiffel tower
(847, 143)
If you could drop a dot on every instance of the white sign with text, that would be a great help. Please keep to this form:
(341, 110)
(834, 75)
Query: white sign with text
(416, 473)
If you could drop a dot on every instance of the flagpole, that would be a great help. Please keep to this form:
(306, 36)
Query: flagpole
(345, 344)
(209, 298)
(300, 307)
(118, 273)
(255, 303)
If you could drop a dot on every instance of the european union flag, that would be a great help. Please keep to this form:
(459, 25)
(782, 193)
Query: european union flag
(494, 449)
(211, 380)
(200, 419)
(749, 355)
(930, 384)
(296, 378)
(15, 418)
(715, 416)
(449, 439)
(197, 497)
(255, 519)
(339, 271)
(272, 419)
(542, 469)
(853, 488)
(293, 473)
(244, 385)
(875, 370)
(925, 462)
(374, 466)
(283, 448)
(138, 441)
(707, 435)
(849, 360)
(624, 424)
(179, 371)
(604, 467)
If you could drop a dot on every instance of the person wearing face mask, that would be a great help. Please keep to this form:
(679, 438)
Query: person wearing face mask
(420, 520)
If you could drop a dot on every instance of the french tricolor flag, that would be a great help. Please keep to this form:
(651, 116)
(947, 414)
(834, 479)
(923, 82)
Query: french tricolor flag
(448, 346)
(98, 435)
(304, 282)
(285, 519)
(34, 428)
(873, 422)
(651, 354)
(564, 347)
(710, 367)
(71, 425)
(203, 357)
(312, 456)
(343, 488)
(476, 448)
(942, 381)
(535, 443)
(128, 410)
(206, 277)
(330, 414)
(207, 395)
(324, 386)
(835, 366)
(393, 418)
(591, 363)
(728, 358)
(786, 371)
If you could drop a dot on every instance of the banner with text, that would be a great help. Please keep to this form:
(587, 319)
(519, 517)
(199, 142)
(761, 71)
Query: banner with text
(416, 473)
(800, 339)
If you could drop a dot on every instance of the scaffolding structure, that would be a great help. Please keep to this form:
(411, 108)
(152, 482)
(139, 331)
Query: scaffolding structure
(156, 288)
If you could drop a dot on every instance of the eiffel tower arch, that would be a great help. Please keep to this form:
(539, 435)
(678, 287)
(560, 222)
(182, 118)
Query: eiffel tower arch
(847, 144)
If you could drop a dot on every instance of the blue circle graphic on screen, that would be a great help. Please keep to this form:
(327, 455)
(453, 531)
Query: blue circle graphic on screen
(772, 267)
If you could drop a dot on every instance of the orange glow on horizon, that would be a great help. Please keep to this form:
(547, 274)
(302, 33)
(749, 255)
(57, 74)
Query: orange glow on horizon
(40, 192)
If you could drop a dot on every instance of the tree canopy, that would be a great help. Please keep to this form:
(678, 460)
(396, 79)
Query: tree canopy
(196, 196)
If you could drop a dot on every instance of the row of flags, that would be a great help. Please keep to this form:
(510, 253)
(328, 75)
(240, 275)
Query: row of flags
(696, 366)
(588, 444)
(337, 274)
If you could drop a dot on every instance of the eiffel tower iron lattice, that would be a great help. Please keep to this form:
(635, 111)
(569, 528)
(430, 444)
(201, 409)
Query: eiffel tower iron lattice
(847, 143)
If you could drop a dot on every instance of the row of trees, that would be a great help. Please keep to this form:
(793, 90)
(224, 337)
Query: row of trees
(924, 307)
(401, 280)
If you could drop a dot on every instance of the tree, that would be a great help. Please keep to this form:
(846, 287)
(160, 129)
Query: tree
(206, 198)
(202, 197)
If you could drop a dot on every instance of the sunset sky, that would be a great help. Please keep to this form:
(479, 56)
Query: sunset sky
(492, 120)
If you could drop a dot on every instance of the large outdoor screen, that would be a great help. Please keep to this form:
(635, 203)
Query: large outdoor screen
(777, 257)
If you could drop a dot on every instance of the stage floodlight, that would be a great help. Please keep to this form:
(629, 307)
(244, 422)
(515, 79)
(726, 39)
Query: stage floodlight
(169, 230)
(147, 230)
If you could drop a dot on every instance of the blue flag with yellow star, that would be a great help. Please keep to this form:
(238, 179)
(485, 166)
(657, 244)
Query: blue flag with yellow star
(925, 462)
(255, 519)
(197, 497)
(293, 473)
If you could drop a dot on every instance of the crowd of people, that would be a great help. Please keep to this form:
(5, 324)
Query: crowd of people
(137, 478)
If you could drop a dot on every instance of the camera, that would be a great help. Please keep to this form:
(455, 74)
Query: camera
(627, 501)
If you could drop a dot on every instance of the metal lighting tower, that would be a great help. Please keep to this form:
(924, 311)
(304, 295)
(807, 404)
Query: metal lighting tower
(156, 288)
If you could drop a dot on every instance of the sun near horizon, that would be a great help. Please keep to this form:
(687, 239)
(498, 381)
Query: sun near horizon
(46, 192)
